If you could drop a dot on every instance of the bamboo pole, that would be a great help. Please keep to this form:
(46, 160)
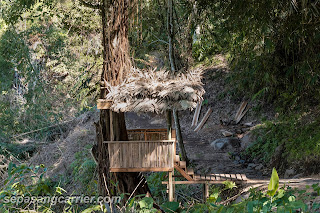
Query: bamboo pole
(179, 136)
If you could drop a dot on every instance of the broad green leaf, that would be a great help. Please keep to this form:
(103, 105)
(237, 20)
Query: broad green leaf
(250, 207)
(274, 183)
(229, 184)
(291, 198)
(146, 202)
(170, 206)
(59, 190)
(281, 193)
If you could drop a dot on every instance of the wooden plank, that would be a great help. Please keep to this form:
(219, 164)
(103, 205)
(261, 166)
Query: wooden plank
(199, 182)
(238, 177)
(173, 134)
(196, 114)
(162, 141)
(147, 130)
(240, 113)
(244, 177)
(105, 104)
(176, 158)
(146, 169)
(240, 110)
(190, 171)
(111, 126)
(182, 172)
(183, 164)
(233, 176)
(131, 153)
(204, 120)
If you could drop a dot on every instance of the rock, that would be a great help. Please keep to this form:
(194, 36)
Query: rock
(298, 176)
(242, 198)
(259, 167)
(226, 133)
(245, 129)
(289, 173)
(249, 124)
(237, 158)
(225, 143)
(239, 131)
(241, 161)
(246, 140)
(251, 165)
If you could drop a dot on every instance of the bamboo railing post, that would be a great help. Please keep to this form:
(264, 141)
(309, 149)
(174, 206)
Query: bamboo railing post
(205, 192)
(170, 186)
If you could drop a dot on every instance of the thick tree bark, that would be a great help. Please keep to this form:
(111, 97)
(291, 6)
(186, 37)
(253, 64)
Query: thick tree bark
(116, 62)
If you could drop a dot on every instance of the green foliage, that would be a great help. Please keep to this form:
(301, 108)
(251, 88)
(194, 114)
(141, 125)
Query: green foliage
(273, 47)
(274, 183)
(298, 135)
(84, 172)
(170, 206)
(19, 151)
(57, 69)
(25, 181)
(11, 11)
(156, 187)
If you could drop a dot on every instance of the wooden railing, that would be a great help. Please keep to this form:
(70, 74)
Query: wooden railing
(146, 150)
(149, 134)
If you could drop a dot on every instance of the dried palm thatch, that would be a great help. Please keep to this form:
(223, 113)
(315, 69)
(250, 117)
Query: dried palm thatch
(156, 91)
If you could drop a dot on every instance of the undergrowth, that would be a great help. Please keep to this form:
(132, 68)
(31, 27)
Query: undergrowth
(294, 139)
(27, 181)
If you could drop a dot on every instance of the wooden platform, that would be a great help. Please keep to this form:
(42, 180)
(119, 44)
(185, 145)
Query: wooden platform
(213, 179)
(146, 151)
(205, 179)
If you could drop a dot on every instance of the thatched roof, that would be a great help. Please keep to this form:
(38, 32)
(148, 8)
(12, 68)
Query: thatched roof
(156, 91)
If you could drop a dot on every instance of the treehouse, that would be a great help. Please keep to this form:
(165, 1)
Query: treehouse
(153, 150)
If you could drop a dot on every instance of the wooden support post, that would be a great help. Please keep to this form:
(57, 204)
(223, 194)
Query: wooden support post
(169, 124)
(205, 192)
(171, 189)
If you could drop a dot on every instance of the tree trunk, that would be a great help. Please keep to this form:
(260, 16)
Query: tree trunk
(116, 62)
(173, 69)
(190, 30)
(170, 35)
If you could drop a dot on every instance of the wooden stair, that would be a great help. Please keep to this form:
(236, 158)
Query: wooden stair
(181, 167)
(188, 173)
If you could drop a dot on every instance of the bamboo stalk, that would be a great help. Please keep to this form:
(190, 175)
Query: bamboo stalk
(179, 136)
